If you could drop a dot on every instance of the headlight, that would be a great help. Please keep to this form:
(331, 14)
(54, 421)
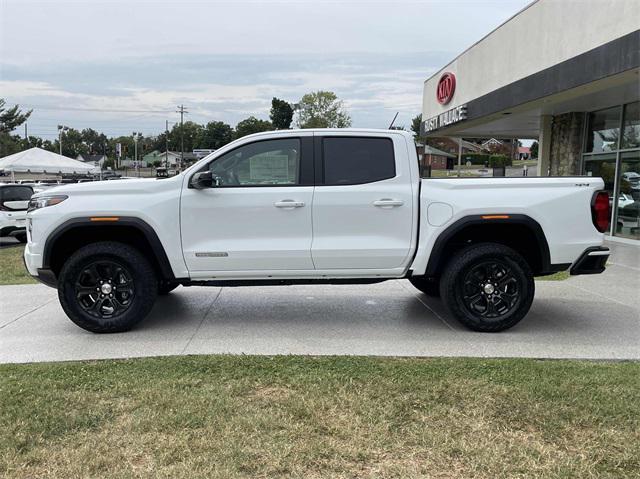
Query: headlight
(44, 201)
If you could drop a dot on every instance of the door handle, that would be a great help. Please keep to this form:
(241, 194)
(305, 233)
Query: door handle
(288, 204)
(388, 203)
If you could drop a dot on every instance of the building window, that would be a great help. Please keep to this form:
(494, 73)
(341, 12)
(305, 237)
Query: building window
(612, 152)
(631, 126)
(604, 130)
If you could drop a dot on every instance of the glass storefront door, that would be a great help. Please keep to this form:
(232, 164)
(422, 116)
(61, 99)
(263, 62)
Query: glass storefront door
(627, 219)
(612, 152)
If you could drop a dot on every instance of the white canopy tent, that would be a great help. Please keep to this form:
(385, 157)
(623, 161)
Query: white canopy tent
(37, 160)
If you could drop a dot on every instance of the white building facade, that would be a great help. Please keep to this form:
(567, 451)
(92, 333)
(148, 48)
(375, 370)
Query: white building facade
(565, 73)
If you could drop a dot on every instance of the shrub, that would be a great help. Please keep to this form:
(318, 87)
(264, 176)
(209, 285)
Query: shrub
(476, 158)
(500, 160)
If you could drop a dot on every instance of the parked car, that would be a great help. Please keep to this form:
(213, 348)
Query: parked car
(314, 206)
(624, 199)
(14, 201)
(629, 217)
(631, 176)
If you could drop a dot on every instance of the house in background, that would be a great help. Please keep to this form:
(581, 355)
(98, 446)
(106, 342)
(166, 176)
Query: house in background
(430, 157)
(150, 158)
(524, 152)
(94, 160)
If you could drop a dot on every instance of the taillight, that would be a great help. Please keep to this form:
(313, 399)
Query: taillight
(600, 211)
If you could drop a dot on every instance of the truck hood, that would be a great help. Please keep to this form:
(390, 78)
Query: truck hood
(129, 186)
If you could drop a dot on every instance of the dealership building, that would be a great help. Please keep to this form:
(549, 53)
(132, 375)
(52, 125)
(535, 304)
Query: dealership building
(565, 73)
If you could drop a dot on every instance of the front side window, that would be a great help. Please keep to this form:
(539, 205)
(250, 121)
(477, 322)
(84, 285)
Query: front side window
(263, 163)
(352, 161)
(16, 193)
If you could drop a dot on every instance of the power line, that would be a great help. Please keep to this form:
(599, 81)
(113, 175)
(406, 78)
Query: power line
(182, 111)
(110, 110)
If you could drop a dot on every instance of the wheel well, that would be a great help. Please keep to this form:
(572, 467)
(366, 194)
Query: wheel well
(521, 237)
(74, 238)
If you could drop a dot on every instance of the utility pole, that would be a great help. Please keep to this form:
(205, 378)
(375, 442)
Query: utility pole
(26, 135)
(61, 129)
(166, 144)
(182, 112)
(136, 137)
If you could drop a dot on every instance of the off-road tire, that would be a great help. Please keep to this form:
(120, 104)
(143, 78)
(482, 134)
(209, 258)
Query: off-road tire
(427, 286)
(457, 283)
(142, 277)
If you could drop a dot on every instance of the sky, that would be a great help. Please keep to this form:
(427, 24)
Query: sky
(123, 66)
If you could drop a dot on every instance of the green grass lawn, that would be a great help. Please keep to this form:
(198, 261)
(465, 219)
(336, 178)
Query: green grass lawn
(12, 270)
(243, 416)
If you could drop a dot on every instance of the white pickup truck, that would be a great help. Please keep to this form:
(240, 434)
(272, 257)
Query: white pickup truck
(313, 206)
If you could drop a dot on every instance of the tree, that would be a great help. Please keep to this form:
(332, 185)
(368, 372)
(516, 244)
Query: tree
(215, 135)
(322, 109)
(192, 132)
(95, 142)
(10, 119)
(415, 124)
(534, 150)
(72, 143)
(252, 125)
(281, 114)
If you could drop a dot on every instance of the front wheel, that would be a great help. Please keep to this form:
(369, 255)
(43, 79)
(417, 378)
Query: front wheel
(107, 287)
(488, 287)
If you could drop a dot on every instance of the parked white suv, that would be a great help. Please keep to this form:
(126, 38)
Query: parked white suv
(14, 200)
(313, 206)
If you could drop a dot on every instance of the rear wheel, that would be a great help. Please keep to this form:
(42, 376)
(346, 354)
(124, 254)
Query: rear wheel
(107, 287)
(488, 287)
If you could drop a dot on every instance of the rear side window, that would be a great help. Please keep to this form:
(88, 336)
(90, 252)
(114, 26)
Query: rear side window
(15, 193)
(352, 161)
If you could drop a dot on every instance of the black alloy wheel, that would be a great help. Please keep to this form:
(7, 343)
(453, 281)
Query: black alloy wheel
(105, 289)
(488, 287)
(491, 289)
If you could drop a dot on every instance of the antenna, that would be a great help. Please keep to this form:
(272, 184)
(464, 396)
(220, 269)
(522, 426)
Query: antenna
(393, 121)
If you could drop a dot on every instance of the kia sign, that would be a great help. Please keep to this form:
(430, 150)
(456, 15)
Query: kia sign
(446, 88)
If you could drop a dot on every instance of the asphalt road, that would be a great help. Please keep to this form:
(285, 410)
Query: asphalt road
(594, 317)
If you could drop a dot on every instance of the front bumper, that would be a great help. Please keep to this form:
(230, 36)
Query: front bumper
(591, 261)
(44, 275)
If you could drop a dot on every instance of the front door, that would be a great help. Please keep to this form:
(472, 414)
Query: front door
(258, 216)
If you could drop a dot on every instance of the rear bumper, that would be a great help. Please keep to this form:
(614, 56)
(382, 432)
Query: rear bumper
(591, 261)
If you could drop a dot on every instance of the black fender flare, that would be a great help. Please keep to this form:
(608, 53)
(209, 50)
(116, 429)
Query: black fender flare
(127, 221)
(436, 256)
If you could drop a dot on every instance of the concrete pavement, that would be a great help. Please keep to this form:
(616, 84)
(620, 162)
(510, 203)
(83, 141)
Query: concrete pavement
(594, 317)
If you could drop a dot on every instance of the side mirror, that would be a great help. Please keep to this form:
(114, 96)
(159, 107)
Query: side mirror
(202, 180)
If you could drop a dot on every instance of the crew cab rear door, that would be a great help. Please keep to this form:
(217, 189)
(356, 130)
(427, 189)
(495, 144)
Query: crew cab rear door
(258, 217)
(363, 206)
